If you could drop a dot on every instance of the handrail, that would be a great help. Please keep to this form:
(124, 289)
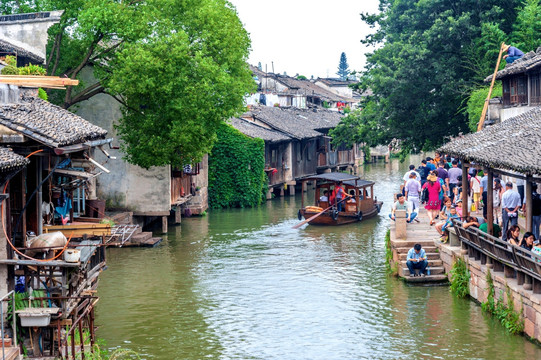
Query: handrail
(13, 321)
(501, 251)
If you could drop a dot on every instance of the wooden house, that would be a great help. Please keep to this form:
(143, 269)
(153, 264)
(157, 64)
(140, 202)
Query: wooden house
(52, 193)
(521, 85)
(296, 143)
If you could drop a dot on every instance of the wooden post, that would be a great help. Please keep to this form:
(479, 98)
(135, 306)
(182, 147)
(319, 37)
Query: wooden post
(178, 214)
(490, 203)
(291, 190)
(465, 209)
(529, 205)
(485, 107)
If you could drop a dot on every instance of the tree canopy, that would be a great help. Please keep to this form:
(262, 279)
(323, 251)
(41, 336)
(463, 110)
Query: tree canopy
(178, 67)
(429, 56)
(343, 67)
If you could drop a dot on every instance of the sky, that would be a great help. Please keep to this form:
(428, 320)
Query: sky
(306, 36)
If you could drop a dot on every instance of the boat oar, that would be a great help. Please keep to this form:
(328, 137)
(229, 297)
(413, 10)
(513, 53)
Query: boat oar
(317, 215)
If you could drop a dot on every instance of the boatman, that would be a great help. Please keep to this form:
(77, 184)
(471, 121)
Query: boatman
(417, 260)
(338, 194)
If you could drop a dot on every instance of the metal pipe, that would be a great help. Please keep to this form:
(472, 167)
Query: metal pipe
(40, 196)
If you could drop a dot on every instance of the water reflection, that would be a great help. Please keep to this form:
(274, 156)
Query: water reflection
(242, 284)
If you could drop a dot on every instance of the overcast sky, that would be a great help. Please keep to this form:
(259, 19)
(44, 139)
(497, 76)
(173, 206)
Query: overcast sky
(306, 36)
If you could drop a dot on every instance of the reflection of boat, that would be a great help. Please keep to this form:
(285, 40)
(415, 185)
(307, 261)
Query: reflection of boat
(362, 204)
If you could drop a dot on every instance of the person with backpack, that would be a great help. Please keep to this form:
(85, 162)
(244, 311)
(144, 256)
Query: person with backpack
(423, 171)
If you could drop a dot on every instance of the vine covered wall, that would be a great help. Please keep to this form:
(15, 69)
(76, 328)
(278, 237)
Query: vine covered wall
(236, 170)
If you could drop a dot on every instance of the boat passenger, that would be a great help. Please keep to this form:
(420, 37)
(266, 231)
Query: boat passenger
(402, 204)
(352, 197)
(324, 197)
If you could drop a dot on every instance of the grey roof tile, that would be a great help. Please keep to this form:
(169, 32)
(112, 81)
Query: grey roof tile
(10, 160)
(514, 144)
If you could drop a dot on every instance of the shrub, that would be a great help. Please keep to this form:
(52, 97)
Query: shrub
(10, 70)
(42, 94)
(460, 279)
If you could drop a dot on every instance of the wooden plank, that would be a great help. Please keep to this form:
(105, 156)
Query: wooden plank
(37, 263)
(31, 79)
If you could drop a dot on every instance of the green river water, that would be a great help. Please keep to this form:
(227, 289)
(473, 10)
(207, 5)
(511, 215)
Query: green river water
(241, 284)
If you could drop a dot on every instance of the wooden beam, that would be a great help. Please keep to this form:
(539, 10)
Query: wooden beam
(54, 82)
(490, 203)
(487, 100)
(529, 204)
(465, 209)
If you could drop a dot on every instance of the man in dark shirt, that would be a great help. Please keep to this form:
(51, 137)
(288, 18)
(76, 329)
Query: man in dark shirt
(423, 171)
(442, 174)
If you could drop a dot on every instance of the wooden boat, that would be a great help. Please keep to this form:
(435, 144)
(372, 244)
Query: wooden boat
(364, 206)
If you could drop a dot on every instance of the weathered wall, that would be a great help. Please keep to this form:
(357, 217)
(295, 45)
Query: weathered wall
(31, 33)
(525, 299)
(200, 202)
(513, 111)
(127, 186)
(339, 90)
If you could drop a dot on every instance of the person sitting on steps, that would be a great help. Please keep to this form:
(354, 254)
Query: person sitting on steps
(402, 204)
(417, 260)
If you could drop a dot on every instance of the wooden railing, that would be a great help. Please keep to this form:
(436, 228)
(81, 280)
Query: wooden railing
(514, 261)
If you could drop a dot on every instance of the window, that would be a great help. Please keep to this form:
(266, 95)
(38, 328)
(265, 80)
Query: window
(535, 89)
(518, 90)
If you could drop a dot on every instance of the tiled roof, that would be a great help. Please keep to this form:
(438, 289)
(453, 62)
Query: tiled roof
(336, 81)
(255, 131)
(528, 62)
(308, 88)
(9, 46)
(298, 123)
(47, 123)
(10, 160)
(514, 144)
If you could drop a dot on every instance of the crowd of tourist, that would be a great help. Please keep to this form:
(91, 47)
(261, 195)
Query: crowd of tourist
(437, 185)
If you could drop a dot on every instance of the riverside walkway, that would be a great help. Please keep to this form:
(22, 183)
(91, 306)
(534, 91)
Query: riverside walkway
(404, 236)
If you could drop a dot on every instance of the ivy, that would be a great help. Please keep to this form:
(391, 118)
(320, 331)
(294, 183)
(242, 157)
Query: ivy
(389, 255)
(512, 320)
(460, 279)
(236, 170)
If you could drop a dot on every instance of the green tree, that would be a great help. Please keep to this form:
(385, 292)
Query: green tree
(178, 67)
(527, 27)
(422, 71)
(343, 67)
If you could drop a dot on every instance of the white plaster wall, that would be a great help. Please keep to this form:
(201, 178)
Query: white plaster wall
(339, 90)
(513, 111)
(32, 32)
(127, 186)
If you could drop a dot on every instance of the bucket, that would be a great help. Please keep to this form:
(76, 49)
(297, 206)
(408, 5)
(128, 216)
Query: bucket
(72, 255)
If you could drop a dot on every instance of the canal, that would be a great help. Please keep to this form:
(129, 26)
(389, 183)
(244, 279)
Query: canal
(241, 284)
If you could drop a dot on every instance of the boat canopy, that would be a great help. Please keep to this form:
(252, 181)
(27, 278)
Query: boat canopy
(347, 179)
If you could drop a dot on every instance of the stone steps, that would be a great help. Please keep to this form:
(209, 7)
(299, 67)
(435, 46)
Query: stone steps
(437, 270)
(441, 278)
(431, 263)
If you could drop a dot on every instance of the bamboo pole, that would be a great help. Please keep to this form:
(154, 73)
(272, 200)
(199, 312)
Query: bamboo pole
(485, 107)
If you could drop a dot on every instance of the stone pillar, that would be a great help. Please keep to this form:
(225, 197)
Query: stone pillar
(178, 214)
(400, 224)
(164, 224)
(291, 190)
(269, 194)
(282, 191)
(304, 186)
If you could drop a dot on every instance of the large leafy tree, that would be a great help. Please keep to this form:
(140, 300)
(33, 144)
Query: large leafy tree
(178, 67)
(425, 65)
